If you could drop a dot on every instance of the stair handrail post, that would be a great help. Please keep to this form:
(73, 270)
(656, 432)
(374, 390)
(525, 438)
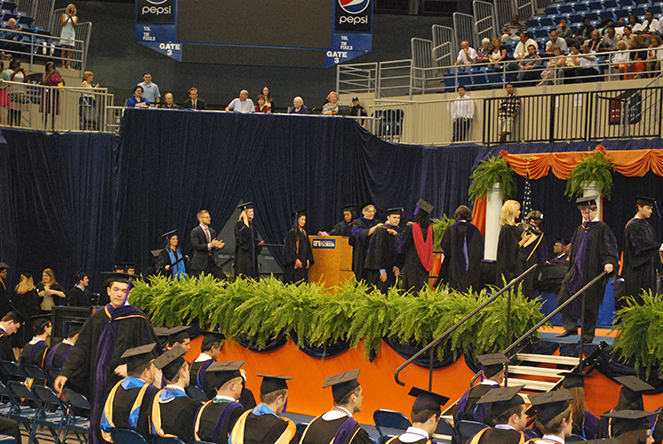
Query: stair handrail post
(451, 329)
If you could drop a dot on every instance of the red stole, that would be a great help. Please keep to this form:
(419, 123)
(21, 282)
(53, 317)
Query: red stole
(424, 249)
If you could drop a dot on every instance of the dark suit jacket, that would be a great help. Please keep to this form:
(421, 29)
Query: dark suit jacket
(200, 252)
(200, 104)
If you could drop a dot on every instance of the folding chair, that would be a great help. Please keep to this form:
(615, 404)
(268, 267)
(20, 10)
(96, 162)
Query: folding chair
(390, 419)
(195, 392)
(52, 414)
(444, 428)
(25, 410)
(126, 436)
(161, 440)
(467, 429)
(77, 424)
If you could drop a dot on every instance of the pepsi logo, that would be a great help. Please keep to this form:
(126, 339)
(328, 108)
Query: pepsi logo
(354, 6)
(156, 2)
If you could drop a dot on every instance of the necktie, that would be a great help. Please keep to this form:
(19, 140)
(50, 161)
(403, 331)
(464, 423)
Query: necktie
(194, 104)
(209, 252)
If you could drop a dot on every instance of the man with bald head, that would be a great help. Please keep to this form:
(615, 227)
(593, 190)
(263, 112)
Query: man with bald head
(242, 104)
(467, 54)
(169, 102)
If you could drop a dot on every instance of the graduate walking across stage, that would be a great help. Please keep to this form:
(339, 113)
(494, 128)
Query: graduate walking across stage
(362, 231)
(297, 253)
(247, 244)
(382, 254)
(416, 249)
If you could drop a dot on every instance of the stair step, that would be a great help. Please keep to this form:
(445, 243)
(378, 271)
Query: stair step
(540, 386)
(548, 359)
(535, 371)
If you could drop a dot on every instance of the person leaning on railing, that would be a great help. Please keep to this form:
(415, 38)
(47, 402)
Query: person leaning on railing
(87, 109)
(620, 59)
(553, 70)
(637, 58)
(18, 99)
(137, 101)
(654, 55)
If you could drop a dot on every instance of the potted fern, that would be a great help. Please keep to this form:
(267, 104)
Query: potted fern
(495, 170)
(594, 170)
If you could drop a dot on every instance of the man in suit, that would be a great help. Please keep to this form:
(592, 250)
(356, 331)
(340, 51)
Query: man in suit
(203, 239)
(194, 102)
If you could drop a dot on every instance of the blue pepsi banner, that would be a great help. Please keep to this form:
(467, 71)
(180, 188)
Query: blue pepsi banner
(156, 11)
(156, 27)
(352, 33)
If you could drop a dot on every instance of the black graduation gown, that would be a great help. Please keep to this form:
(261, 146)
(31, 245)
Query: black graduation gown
(247, 399)
(382, 254)
(498, 436)
(6, 351)
(535, 252)
(78, 298)
(58, 355)
(164, 259)
(178, 416)
(34, 354)
(413, 273)
(134, 330)
(263, 429)
(320, 431)
(292, 250)
(4, 299)
(57, 300)
(246, 250)
(459, 273)
(510, 262)
(124, 400)
(193, 372)
(467, 407)
(342, 229)
(208, 417)
(360, 229)
(641, 260)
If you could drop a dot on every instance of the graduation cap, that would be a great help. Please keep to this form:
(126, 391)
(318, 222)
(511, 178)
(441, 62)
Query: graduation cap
(349, 207)
(156, 253)
(502, 399)
(368, 204)
(628, 421)
(426, 400)
(428, 208)
(272, 383)
(118, 266)
(342, 384)
(222, 372)
(15, 315)
(137, 356)
(26, 273)
(642, 200)
(128, 265)
(493, 363)
(299, 213)
(169, 234)
(546, 406)
(170, 362)
(77, 277)
(395, 210)
(178, 334)
(632, 388)
(245, 206)
(3, 266)
(574, 379)
(562, 241)
(114, 276)
(586, 201)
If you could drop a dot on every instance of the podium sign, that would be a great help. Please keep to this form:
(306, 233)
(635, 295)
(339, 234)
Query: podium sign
(333, 260)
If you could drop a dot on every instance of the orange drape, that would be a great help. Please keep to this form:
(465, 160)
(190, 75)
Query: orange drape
(479, 215)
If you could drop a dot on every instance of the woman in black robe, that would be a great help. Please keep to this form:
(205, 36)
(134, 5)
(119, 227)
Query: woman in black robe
(462, 245)
(247, 245)
(27, 302)
(510, 262)
(297, 254)
(416, 249)
(171, 260)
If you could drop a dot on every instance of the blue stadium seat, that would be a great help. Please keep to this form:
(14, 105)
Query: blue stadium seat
(581, 7)
(638, 11)
(610, 4)
(552, 9)
(591, 15)
(622, 13)
(533, 22)
(24, 19)
(450, 81)
(642, 2)
(493, 77)
(541, 33)
(546, 21)
(607, 15)
(8, 5)
(567, 8)
(479, 79)
(625, 3)
(531, 30)
(575, 18)
(655, 9)
(596, 5)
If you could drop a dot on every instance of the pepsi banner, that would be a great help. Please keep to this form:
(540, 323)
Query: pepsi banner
(353, 16)
(352, 35)
(156, 11)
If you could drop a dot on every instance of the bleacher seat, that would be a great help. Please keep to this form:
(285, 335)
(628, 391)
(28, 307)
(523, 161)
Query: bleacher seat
(609, 4)
(596, 5)
(625, 3)
(655, 9)
(581, 7)
(638, 11)
(533, 22)
(605, 14)
(8, 5)
(24, 19)
(493, 77)
(621, 13)
(552, 9)
(540, 34)
(642, 2)
(592, 15)
(479, 79)
(546, 21)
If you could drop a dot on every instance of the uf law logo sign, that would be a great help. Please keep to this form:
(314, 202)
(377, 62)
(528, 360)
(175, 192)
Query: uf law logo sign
(352, 34)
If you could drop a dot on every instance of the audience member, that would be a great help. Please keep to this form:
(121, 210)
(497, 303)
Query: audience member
(584, 32)
(572, 69)
(169, 102)
(462, 113)
(528, 63)
(331, 107)
(50, 292)
(564, 32)
(467, 54)
(595, 41)
(17, 97)
(619, 64)
(150, 89)
(637, 58)
(498, 55)
(619, 26)
(68, 35)
(605, 24)
(627, 36)
(513, 29)
(521, 48)
(269, 100)
(650, 24)
(654, 55)
(242, 104)
(509, 108)
(4, 93)
(137, 101)
(194, 102)
(298, 106)
(50, 97)
(609, 41)
(634, 23)
(553, 74)
(261, 107)
(589, 68)
(87, 109)
(483, 56)
(357, 110)
(555, 42)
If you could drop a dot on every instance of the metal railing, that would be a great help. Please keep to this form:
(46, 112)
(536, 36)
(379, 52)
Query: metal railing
(395, 78)
(56, 108)
(357, 78)
(464, 27)
(41, 11)
(83, 31)
(484, 21)
(445, 46)
(33, 48)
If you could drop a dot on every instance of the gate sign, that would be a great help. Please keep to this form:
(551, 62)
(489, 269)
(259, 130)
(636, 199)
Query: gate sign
(352, 34)
(156, 26)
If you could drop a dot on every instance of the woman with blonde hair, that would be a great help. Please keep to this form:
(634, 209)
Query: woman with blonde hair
(26, 302)
(510, 262)
(68, 33)
(331, 107)
(50, 292)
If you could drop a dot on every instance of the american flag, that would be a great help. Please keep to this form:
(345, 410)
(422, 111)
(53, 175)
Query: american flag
(527, 197)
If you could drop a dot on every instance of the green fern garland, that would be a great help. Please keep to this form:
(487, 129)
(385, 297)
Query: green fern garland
(594, 167)
(488, 173)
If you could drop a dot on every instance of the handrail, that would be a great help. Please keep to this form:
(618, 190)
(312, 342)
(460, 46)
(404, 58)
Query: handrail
(451, 329)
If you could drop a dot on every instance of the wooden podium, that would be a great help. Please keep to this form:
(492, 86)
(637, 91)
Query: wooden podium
(333, 260)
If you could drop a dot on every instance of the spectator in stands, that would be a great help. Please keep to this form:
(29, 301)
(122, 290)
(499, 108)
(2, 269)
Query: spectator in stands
(553, 74)
(572, 68)
(513, 29)
(619, 64)
(242, 104)
(462, 113)
(650, 24)
(609, 41)
(17, 97)
(467, 54)
(589, 67)
(298, 106)
(331, 107)
(498, 55)
(357, 110)
(637, 58)
(595, 41)
(483, 56)
(138, 100)
(584, 32)
(169, 102)
(660, 26)
(68, 34)
(509, 109)
(521, 51)
(564, 32)
(627, 36)
(194, 102)
(555, 42)
(150, 89)
(654, 55)
(634, 23)
(605, 24)
(87, 108)
(619, 26)
(13, 36)
(4, 93)
(50, 97)
(269, 100)
(261, 107)
(527, 64)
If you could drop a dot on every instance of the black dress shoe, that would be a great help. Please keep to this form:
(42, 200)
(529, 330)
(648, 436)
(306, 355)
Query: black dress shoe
(586, 340)
(568, 333)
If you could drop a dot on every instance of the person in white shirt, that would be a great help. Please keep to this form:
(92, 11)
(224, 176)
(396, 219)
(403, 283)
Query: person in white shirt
(467, 54)
(589, 67)
(150, 89)
(242, 104)
(555, 41)
(521, 51)
(650, 24)
(462, 113)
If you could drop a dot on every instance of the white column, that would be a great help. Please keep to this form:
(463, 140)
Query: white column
(591, 189)
(493, 208)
